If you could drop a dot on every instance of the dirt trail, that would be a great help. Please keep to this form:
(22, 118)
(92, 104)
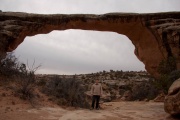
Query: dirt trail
(110, 111)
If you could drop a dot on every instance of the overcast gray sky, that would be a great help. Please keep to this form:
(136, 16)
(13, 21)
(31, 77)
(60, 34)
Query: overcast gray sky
(79, 51)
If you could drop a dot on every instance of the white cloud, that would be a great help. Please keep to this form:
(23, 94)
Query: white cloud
(89, 6)
(83, 52)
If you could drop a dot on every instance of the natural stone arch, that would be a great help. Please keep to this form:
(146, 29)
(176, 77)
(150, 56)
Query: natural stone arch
(155, 36)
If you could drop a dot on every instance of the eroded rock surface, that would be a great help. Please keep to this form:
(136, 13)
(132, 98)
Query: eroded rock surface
(155, 36)
(172, 100)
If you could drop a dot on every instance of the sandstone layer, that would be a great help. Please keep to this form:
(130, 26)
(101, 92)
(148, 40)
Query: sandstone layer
(172, 100)
(155, 36)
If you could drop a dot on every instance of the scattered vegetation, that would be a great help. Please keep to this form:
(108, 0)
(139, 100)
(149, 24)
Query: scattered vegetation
(144, 90)
(68, 92)
(23, 78)
(167, 66)
(10, 66)
(140, 91)
(166, 80)
(168, 74)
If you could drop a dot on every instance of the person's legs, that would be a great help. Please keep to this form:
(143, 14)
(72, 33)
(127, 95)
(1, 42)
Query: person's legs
(93, 101)
(97, 101)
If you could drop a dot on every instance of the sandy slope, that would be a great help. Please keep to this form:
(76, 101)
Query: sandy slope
(12, 108)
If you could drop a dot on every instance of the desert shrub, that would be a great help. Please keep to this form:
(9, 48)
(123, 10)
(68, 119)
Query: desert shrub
(126, 87)
(86, 81)
(9, 66)
(131, 75)
(125, 77)
(25, 83)
(3, 44)
(144, 90)
(174, 75)
(168, 74)
(112, 77)
(25, 87)
(23, 77)
(121, 91)
(113, 94)
(41, 82)
(68, 92)
(92, 81)
(61, 101)
(167, 66)
(83, 77)
(166, 80)
(163, 83)
(146, 76)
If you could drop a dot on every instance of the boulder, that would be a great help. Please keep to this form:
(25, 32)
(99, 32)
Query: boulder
(160, 98)
(172, 100)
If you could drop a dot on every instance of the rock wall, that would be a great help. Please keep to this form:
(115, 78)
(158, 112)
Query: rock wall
(155, 36)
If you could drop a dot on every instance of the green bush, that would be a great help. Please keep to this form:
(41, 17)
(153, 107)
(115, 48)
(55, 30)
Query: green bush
(144, 90)
(168, 74)
(41, 82)
(166, 80)
(167, 66)
(174, 75)
(67, 92)
(9, 66)
(61, 101)
(18, 73)
(25, 85)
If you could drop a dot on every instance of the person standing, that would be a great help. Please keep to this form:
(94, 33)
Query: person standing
(96, 92)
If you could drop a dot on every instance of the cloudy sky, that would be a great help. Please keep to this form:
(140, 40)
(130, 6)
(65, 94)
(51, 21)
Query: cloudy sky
(79, 51)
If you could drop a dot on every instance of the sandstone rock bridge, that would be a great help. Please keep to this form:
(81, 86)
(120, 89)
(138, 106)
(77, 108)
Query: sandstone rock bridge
(155, 36)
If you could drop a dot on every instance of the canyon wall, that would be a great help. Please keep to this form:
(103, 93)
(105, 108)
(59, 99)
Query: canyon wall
(156, 36)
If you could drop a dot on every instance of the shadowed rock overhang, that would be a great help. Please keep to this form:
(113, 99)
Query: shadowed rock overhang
(155, 36)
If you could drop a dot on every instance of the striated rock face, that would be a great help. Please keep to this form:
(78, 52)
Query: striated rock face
(155, 36)
(172, 100)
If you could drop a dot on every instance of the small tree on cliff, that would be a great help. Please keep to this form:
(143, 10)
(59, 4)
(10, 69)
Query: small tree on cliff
(167, 66)
(168, 73)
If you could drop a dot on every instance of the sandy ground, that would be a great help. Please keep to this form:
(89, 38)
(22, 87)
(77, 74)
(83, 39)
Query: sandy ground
(12, 108)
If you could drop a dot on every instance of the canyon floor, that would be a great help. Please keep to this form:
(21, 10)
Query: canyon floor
(110, 111)
(13, 108)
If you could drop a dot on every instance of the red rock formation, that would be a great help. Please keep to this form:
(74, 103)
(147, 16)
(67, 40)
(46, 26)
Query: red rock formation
(155, 36)
(172, 100)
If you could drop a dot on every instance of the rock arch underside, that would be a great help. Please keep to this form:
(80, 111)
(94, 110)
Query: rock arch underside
(156, 36)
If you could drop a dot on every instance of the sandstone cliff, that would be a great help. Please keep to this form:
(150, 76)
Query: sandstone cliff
(155, 36)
